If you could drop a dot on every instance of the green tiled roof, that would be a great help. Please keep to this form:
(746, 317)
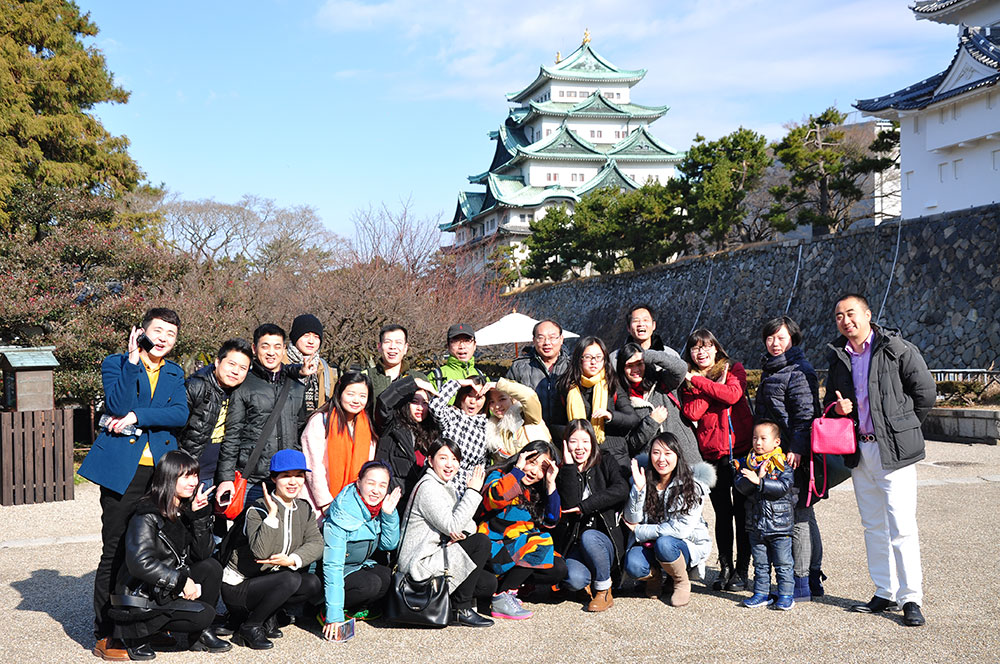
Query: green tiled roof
(594, 106)
(564, 144)
(641, 143)
(512, 192)
(583, 64)
(609, 176)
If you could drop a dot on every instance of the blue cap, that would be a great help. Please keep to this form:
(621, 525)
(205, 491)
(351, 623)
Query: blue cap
(284, 460)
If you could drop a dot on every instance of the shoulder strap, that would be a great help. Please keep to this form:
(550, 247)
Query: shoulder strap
(272, 419)
(438, 378)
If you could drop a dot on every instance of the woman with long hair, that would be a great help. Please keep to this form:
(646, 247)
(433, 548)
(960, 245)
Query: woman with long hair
(338, 439)
(439, 534)
(714, 396)
(652, 378)
(409, 435)
(520, 497)
(169, 581)
(664, 514)
(590, 391)
(592, 491)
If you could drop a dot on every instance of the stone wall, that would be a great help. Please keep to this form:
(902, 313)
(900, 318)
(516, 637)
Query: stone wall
(943, 290)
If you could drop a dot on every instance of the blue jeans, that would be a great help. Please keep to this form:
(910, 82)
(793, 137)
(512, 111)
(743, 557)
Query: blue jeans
(768, 550)
(666, 548)
(254, 493)
(590, 560)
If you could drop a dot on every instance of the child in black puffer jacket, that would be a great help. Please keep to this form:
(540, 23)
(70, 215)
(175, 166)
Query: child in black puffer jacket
(765, 479)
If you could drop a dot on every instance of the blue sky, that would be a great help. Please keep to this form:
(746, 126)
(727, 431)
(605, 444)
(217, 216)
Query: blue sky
(344, 104)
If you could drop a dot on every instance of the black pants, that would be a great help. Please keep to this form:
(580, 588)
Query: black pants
(260, 597)
(116, 508)
(518, 576)
(366, 586)
(208, 573)
(730, 507)
(481, 583)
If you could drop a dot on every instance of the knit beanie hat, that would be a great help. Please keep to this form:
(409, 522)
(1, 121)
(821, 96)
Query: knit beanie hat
(303, 324)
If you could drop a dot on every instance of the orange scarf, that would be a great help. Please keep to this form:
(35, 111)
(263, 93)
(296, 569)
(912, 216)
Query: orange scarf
(345, 455)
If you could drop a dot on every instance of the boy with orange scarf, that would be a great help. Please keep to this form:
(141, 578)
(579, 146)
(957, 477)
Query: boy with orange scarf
(766, 480)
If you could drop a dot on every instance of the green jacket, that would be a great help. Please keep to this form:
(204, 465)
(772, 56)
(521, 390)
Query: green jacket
(455, 369)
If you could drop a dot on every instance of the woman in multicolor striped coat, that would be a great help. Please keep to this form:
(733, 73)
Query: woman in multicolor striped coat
(519, 496)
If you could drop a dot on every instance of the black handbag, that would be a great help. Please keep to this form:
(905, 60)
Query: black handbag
(424, 603)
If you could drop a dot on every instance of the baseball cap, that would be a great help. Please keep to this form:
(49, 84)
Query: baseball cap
(284, 460)
(461, 330)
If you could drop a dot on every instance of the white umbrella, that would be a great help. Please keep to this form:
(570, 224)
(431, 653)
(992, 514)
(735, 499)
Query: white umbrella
(514, 328)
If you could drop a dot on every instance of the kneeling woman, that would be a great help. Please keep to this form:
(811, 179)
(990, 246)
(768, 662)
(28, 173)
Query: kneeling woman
(169, 580)
(266, 569)
(664, 513)
(593, 492)
(518, 494)
(437, 519)
(361, 520)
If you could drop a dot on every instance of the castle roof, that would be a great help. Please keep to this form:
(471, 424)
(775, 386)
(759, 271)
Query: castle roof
(582, 65)
(941, 11)
(594, 106)
(976, 64)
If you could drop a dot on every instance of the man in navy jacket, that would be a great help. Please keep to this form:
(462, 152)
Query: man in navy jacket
(146, 403)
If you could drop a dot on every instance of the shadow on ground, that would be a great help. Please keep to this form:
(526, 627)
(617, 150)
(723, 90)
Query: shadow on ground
(58, 595)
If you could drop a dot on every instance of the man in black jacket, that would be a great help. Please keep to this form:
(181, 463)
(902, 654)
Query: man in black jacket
(540, 366)
(208, 392)
(249, 408)
(882, 383)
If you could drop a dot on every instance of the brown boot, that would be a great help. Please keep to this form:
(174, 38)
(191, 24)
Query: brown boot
(677, 570)
(654, 583)
(110, 650)
(602, 601)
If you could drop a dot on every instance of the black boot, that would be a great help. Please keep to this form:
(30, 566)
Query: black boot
(139, 651)
(738, 580)
(725, 573)
(208, 640)
(252, 636)
(271, 630)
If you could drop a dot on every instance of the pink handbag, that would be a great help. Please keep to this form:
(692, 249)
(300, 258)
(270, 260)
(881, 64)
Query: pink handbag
(830, 435)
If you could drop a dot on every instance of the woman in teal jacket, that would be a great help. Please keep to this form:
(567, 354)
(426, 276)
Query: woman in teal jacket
(361, 520)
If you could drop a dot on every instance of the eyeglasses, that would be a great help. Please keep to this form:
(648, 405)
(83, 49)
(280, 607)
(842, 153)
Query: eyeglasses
(593, 358)
(462, 341)
(550, 337)
(392, 343)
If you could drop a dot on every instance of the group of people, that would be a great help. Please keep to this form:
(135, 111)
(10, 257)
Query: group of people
(291, 489)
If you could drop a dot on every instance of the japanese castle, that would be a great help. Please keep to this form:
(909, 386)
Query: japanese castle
(950, 122)
(571, 130)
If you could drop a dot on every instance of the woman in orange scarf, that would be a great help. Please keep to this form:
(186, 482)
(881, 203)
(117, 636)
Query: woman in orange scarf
(338, 439)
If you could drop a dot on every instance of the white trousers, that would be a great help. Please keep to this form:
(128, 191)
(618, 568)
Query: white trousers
(887, 502)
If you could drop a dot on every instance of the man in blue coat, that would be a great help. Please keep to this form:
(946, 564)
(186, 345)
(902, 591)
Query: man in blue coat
(146, 405)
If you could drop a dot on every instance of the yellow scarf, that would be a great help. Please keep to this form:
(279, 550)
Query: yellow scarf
(775, 460)
(577, 410)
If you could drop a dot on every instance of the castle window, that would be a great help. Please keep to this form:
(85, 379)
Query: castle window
(996, 160)
(560, 93)
(942, 169)
(956, 167)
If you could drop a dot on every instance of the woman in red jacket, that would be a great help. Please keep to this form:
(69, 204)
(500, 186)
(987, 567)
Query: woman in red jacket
(713, 396)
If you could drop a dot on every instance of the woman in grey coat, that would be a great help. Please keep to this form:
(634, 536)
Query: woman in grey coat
(436, 520)
(652, 377)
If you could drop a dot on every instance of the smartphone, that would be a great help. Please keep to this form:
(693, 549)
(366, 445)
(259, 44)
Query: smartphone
(144, 342)
(344, 631)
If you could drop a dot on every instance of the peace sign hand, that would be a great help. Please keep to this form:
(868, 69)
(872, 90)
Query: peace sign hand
(202, 498)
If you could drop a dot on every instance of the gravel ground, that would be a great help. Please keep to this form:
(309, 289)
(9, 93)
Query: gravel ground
(49, 553)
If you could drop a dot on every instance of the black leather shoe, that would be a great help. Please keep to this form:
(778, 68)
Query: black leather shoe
(208, 640)
(912, 616)
(271, 630)
(469, 618)
(875, 605)
(725, 573)
(139, 652)
(252, 636)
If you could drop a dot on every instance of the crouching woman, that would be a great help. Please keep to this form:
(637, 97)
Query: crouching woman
(361, 520)
(169, 581)
(440, 536)
(664, 512)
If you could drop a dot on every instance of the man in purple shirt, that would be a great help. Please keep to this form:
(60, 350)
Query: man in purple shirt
(882, 382)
